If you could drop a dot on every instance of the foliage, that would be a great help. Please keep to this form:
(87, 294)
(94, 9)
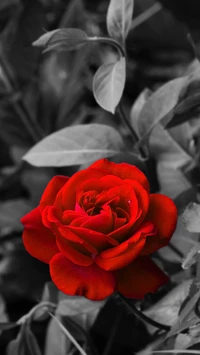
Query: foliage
(117, 79)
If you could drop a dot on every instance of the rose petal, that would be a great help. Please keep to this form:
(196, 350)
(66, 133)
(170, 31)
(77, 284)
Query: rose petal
(53, 187)
(104, 183)
(139, 278)
(98, 240)
(67, 195)
(38, 240)
(128, 200)
(123, 254)
(91, 281)
(102, 222)
(75, 249)
(123, 171)
(163, 213)
(142, 197)
(69, 216)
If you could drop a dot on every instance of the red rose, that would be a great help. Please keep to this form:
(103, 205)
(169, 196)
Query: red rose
(97, 229)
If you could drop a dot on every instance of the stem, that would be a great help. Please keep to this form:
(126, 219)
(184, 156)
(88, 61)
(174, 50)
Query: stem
(86, 335)
(19, 106)
(110, 41)
(176, 250)
(122, 115)
(29, 316)
(112, 335)
(69, 335)
(144, 16)
(193, 45)
(124, 119)
(142, 316)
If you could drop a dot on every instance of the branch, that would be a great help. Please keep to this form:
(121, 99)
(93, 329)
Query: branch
(142, 316)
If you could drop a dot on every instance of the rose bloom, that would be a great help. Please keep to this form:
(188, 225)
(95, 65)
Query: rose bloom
(97, 229)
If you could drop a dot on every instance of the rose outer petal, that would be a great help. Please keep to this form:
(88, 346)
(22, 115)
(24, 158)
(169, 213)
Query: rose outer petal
(91, 281)
(163, 213)
(38, 240)
(139, 278)
(51, 190)
(123, 171)
(123, 254)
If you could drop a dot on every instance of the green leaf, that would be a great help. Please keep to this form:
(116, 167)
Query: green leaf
(72, 306)
(11, 211)
(119, 17)
(66, 39)
(108, 84)
(76, 145)
(191, 217)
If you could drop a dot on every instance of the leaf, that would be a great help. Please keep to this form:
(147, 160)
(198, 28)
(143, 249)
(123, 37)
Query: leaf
(6, 326)
(66, 39)
(81, 310)
(160, 104)
(35, 180)
(55, 341)
(182, 341)
(17, 346)
(32, 347)
(11, 211)
(8, 3)
(191, 217)
(189, 102)
(43, 40)
(50, 293)
(24, 59)
(137, 107)
(166, 310)
(21, 276)
(172, 181)
(72, 306)
(119, 17)
(171, 158)
(69, 335)
(108, 84)
(186, 317)
(76, 145)
(191, 257)
(8, 11)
